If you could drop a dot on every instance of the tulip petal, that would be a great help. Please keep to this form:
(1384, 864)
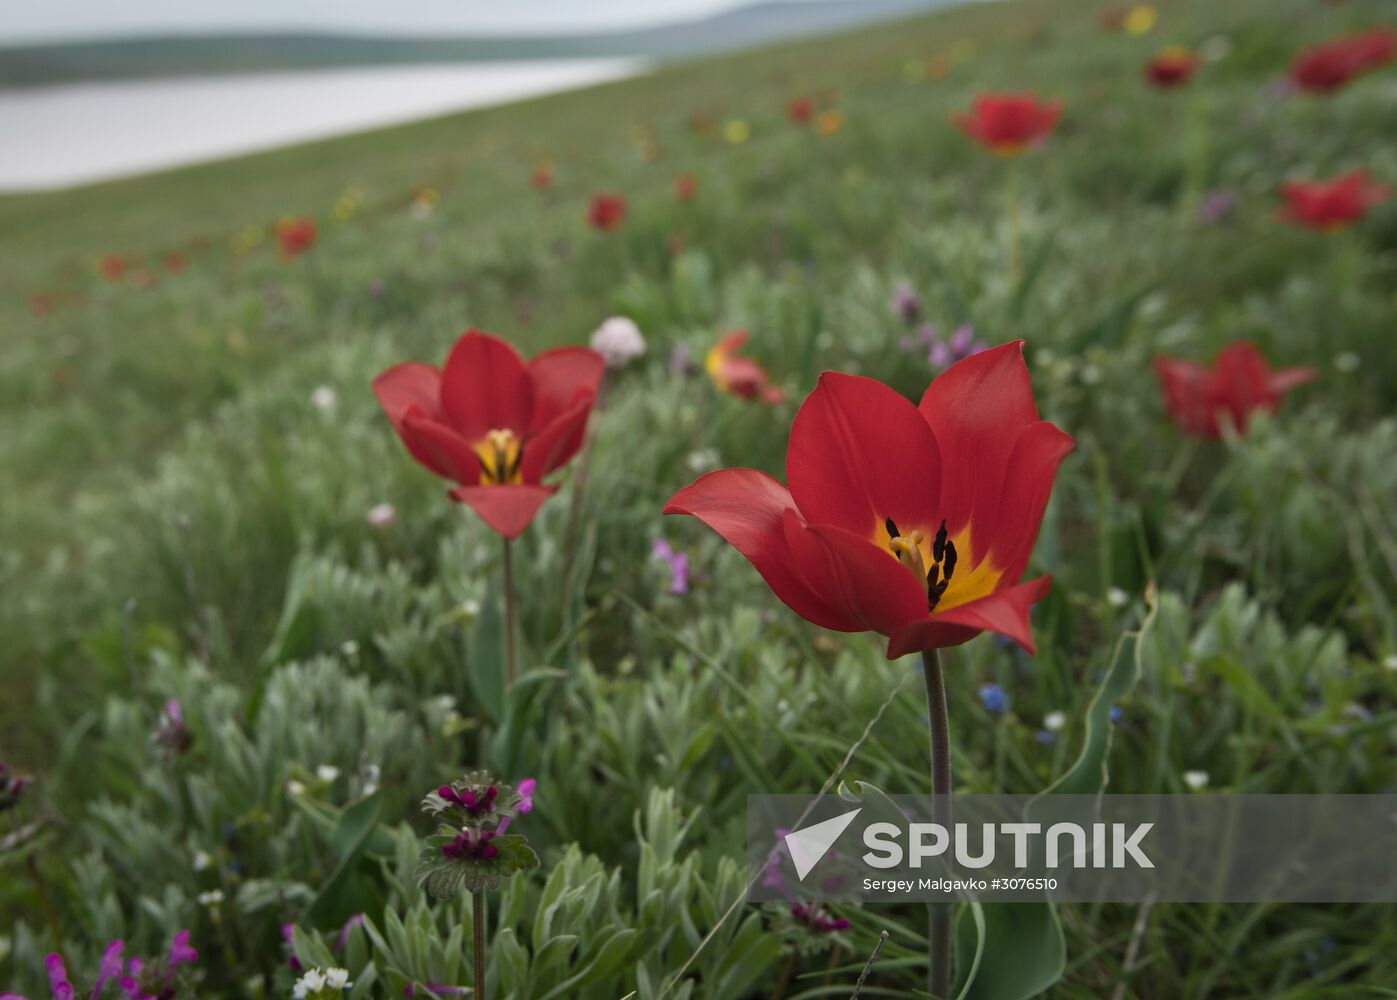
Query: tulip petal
(859, 454)
(409, 385)
(505, 509)
(1285, 379)
(556, 444)
(1023, 497)
(1004, 612)
(485, 386)
(439, 448)
(748, 508)
(977, 409)
(873, 587)
(559, 376)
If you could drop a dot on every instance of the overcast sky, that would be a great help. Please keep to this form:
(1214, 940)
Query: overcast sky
(32, 20)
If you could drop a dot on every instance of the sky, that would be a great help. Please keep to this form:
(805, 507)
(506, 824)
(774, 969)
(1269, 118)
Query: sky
(44, 20)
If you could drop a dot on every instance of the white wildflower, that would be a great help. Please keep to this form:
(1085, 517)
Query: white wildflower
(327, 772)
(618, 341)
(324, 398)
(1390, 662)
(1117, 597)
(1054, 721)
(1197, 780)
(311, 983)
(203, 861)
(381, 515)
(337, 979)
(294, 787)
(212, 898)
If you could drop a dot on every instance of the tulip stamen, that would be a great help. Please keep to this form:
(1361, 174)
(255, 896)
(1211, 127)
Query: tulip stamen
(500, 453)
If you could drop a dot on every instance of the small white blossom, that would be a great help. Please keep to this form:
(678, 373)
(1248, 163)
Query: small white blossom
(349, 648)
(203, 861)
(212, 898)
(381, 515)
(1196, 780)
(324, 398)
(1117, 597)
(618, 341)
(1347, 362)
(312, 982)
(1054, 721)
(337, 979)
(1390, 662)
(704, 459)
(470, 607)
(294, 787)
(327, 772)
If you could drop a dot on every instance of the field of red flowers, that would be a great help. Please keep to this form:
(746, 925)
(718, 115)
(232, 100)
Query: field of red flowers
(418, 545)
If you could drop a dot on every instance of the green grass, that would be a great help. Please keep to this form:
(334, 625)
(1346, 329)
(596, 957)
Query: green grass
(180, 520)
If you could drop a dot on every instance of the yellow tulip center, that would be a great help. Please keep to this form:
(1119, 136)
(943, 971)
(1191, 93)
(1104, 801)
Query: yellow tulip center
(939, 563)
(499, 452)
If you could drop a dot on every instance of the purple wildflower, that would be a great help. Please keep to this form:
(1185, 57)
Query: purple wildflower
(678, 564)
(905, 304)
(355, 921)
(11, 788)
(476, 805)
(111, 966)
(58, 978)
(181, 952)
(815, 919)
(1217, 206)
(681, 361)
(526, 803)
(171, 734)
(957, 347)
(288, 936)
(471, 847)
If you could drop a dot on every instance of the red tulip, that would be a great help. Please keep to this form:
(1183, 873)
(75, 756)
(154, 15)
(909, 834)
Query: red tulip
(1327, 68)
(915, 522)
(113, 268)
(1331, 205)
(296, 235)
(607, 212)
(175, 262)
(1240, 383)
(685, 187)
(1009, 123)
(1171, 68)
(542, 178)
(801, 110)
(739, 376)
(493, 424)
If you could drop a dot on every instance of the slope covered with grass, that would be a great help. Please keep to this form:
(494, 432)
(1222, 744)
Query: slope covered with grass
(186, 507)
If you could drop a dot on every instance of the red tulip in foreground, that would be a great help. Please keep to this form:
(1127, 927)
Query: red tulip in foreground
(296, 236)
(915, 522)
(606, 212)
(739, 376)
(1173, 67)
(1327, 68)
(493, 424)
(1203, 400)
(1008, 124)
(1333, 204)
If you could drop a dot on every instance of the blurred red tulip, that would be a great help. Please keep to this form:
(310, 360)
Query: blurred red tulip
(915, 522)
(1171, 68)
(739, 376)
(801, 110)
(492, 424)
(1202, 401)
(1009, 123)
(41, 303)
(542, 177)
(113, 268)
(1327, 68)
(606, 212)
(685, 187)
(296, 236)
(1333, 204)
(175, 262)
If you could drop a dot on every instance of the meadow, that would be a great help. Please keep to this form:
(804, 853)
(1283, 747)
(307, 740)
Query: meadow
(243, 633)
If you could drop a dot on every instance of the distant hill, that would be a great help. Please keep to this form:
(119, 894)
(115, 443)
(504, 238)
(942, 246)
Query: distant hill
(185, 55)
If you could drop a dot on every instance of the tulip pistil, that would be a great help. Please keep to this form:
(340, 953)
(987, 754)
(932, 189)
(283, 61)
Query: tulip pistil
(500, 453)
(908, 550)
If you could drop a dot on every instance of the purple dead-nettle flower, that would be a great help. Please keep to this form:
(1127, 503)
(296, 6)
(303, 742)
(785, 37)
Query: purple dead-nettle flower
(58, 978)
(12, 788)
(905, 304)
(957, 347)
(472, 849)
(678, 564)
(171, 735)
(111, 967)
(814, 919)
(288, 938)
(1217, 206)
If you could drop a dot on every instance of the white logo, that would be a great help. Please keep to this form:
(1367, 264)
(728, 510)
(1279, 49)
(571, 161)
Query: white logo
(809, 845)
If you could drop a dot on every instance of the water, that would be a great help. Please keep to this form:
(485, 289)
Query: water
(55, 137)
